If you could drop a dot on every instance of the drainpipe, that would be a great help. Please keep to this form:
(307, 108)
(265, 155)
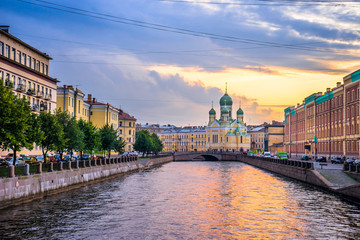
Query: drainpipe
(64, 98)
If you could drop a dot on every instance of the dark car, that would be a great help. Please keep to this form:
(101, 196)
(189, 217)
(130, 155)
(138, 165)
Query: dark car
(305, 158)
(3, 162)
(349, 161)
(320, 159)
(336, 160)
(85, 157)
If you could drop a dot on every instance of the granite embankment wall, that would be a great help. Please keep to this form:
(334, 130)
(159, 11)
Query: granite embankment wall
(18, 189)
(303, 171)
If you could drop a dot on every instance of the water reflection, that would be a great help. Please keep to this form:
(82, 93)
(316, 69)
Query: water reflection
(197, 200)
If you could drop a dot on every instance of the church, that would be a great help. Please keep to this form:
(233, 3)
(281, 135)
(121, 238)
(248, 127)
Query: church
(226, 133)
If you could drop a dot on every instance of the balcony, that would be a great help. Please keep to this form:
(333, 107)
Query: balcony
(10, 84)
(35, 108)
(48, 96)
(31, 91)
(43, 107)
(20, 88)
(40, 94)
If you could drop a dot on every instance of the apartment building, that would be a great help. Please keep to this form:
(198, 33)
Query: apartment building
(127, 127)
(25, 70)
(184, 139)
(71, 101)
(326, 124)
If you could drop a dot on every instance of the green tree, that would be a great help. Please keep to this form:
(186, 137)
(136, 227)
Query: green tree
(51, 133)
(15, 121)
(91, 136)
(63, 119)
(119, 145)
(157, 145)
(143, 142)
(74, 136)
(108, 137)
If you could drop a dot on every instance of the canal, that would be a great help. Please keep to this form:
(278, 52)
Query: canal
(187, 200)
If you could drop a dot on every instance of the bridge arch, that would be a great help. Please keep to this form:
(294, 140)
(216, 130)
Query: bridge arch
(205, 157)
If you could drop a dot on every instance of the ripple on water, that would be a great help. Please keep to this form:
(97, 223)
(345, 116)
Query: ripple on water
(197, 200)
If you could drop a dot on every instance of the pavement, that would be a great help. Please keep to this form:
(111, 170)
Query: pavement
(334, 174)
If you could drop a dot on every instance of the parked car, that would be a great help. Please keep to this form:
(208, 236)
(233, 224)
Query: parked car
(357, 162)
(282, 155)
(19, 162)
(85, 157)
(9, 156)
(40, 158)
(305, 158)
(349, 161)
(30, 160)
(66, 158)
(320, 159)
(267, 154)
(3, 163)
(336, 160)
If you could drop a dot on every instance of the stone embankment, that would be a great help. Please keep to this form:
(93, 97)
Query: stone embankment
(338, 181)
(17, 189)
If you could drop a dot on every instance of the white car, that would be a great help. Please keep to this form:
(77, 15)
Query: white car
(267, 154)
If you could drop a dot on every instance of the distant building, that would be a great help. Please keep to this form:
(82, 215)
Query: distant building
(226, 133)
(267, 137)
(183, 139)
(153, 128)
(326, 124)
(257, 138)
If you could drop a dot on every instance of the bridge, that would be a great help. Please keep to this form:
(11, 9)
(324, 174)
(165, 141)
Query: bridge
(205, 156)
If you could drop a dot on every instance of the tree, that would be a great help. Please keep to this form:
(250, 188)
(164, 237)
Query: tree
(119, 145)
(157, 145)
(15, 121)
(91, 136)
(74, 136)
(143, 142)
(51, 133)
(108, 137)
(63, 119)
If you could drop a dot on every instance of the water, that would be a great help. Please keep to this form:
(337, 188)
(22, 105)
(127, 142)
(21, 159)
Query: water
(187, 200)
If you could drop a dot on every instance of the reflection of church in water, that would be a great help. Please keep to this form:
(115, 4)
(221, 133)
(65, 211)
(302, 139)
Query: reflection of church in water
(226, 133)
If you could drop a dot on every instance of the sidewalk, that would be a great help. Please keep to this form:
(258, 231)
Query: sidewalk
(334, 174)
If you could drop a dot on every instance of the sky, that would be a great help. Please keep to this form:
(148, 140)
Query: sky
(168, 61)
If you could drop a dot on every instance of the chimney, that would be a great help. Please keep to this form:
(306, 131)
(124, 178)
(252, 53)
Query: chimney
(338, 84)
(89, 97)
(5, 28)
(328, 90)
(94, 100)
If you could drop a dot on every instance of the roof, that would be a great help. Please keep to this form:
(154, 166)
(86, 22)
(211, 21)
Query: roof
(125, 116)
(25, 44)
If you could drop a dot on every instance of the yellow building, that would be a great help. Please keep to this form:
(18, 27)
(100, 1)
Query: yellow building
(226, 133)
(71, 101)
(127, 126)
(102, 113)
(183, 139)
(25, 70)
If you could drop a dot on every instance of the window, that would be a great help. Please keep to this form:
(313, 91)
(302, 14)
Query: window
(34, 64)
(129, 124)
(69, 101)
(46, 69)
(37, 65)
(120, 123)
(72, 102)
(29, 61)
(120, 131)
(1, 48)
(49, 107)
(23, 59)
(129, 132)
(13, 53)
(7, 51)
(79, 107)
(42, 68)
(19, 56)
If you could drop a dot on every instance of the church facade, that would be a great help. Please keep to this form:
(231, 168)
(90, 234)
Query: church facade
(226, 133)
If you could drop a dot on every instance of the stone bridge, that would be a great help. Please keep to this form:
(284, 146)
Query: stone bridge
(205, 156)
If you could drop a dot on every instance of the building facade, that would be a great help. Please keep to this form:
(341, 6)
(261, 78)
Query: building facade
(184, 139)
(226, 133)
(25, 70)
(71, 101)
(126, 129)
(257, 138)
(326, 124)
